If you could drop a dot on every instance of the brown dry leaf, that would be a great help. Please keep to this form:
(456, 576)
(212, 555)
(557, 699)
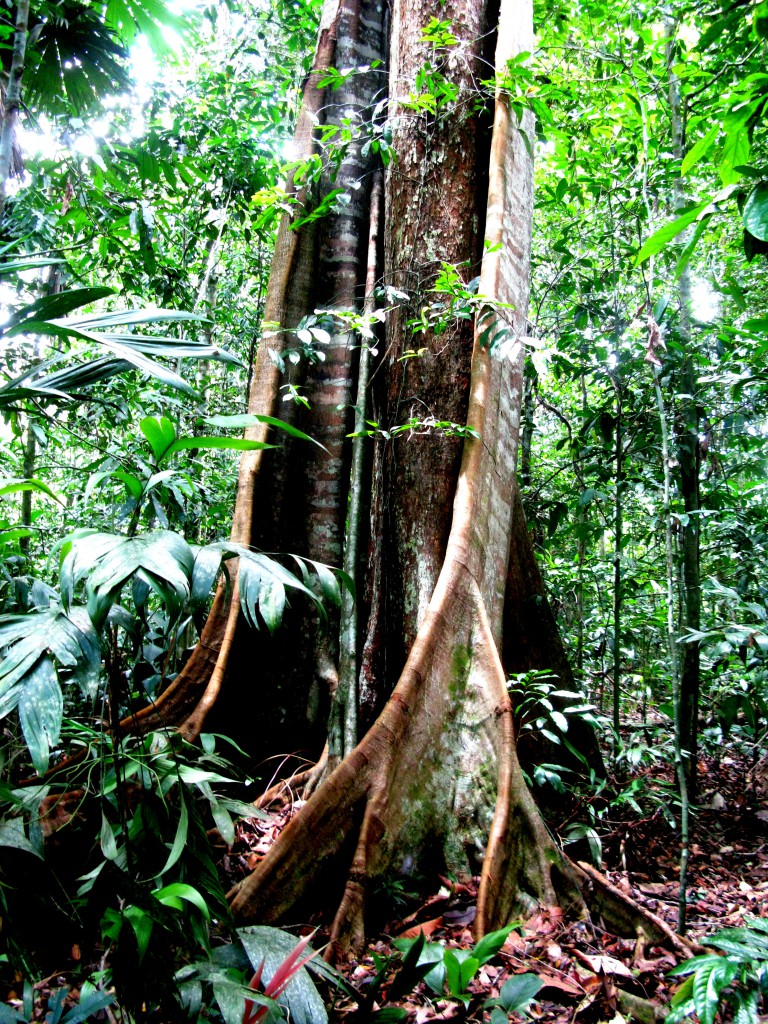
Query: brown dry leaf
(606, 964)
(515, 943)
(426, 926)
(561, 982)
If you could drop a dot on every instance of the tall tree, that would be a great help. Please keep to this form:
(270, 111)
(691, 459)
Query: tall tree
(451, 599)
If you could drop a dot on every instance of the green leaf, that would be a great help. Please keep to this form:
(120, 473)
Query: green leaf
(230, 997)
(205, 570)
(272, 604)
(107, 840)
(160, 433)
(29, 485)
(452, 972)
(169, 896)
(737, 147)
(9, 1016)
(142, 925)
(690, 246)
(518, 991)
(237, 443)
(699, 149)
(41, 707)
(559, 720)
(468, 969)
(755, 213)
(667, 232)
(50, 307)
(89, 1005)
(222, 820)
(12, 834)
(165, 557)
(746, 1007)
(180, 839)
(300, 997)
(490, 944)
(245, 420)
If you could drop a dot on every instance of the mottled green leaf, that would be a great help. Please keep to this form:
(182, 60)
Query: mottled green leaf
(755, 213)
(41, 707)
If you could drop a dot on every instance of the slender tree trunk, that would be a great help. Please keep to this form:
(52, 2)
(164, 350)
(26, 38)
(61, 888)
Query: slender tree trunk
(688, 457)
(673, 659)
(12, 99)
(618, 540)
(30, 450)
(344, 717)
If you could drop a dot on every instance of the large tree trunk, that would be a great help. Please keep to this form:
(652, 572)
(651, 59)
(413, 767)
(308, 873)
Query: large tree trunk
(453, 592)
(436, 776)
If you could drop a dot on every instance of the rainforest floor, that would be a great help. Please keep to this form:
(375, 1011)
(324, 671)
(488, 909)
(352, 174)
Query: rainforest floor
(588, 973)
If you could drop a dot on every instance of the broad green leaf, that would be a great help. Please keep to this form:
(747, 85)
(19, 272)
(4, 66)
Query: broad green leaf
(746, 1006)
(165, 558)
(690, 246)
(223, 821)
(699, 149)
(41, 707)
(519, 990)
(452, 972)
(160, 478)
(12, 834)
(230, 997)
(490, 944)
(33, 263)
(160, 433)
(469, 968)
(560, 720)
(9, 1016)
(29, 485)
(245, 420)
(272, 946)
(755, 213)
(142, 925)
(89, 1005)
(667, 232)
(237, 443)
(170, 894)
(204, 572)
(150, 315)
(272, 604)
(51, 307)
(737, 147)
